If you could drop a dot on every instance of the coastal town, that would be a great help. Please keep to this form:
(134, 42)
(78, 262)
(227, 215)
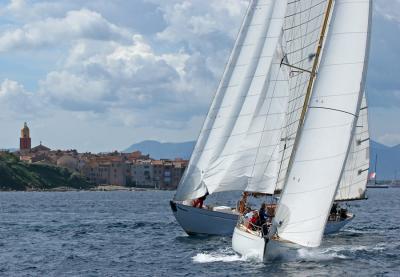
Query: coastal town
(134, 169)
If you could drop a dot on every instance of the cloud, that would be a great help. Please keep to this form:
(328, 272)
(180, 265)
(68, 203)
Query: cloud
(191, 19)
(129, 82)
(16, 101)
(149, 66)
(80, 24)
(390, 9)
(384, 125)
(24, 11)
(383, 85)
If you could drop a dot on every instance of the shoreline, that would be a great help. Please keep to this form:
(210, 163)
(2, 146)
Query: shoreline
(106, 188)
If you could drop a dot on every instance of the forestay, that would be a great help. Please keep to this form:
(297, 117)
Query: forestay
(355, 176)
(324, 139)
(225, 156)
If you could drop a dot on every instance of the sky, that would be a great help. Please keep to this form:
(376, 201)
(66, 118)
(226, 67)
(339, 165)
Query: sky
(99, 75)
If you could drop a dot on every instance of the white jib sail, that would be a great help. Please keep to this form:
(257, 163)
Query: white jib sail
(266, 131)
(355, 176)
(239, 98)
(325, 137)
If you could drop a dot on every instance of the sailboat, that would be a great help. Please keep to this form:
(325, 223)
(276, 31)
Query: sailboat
(248, 136)
(330, 142)
(238, 148)
(373, 182)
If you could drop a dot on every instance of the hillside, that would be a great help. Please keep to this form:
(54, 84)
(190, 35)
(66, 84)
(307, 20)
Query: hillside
(160, 150)
(16, 175)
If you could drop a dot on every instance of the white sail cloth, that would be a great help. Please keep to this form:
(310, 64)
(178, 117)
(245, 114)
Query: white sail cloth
(324, 141)
(225, 156)
(301, 33)
(355, 176)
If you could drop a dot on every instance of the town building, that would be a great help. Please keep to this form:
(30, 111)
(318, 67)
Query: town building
(141, 174)
(123, 169)
(25, 139)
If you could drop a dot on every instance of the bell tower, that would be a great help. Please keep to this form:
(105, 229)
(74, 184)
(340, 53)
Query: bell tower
(25, 140)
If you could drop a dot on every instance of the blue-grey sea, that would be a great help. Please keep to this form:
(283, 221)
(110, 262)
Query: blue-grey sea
(135, 234)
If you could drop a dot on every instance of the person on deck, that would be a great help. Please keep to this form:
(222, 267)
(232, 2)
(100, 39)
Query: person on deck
(198, 203)
(263, 214)
(255, 221)
(241, 207)
(248, 214)
(333, 213)
(334, 209)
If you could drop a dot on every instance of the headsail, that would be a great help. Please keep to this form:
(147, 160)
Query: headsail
(268, 124)
(222, 159)
(324, 139)
(355, 176)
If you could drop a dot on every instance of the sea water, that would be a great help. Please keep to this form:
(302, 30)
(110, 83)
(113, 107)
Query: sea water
(135, 234)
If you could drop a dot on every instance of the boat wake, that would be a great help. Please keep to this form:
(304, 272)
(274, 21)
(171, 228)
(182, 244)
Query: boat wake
(336, 252)
(319, 255)
(225, 256)
(213, 257)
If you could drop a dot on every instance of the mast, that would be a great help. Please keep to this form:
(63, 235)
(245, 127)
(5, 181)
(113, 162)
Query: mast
(283, 171)
(315, 65)
(312, 78)
(376, 164)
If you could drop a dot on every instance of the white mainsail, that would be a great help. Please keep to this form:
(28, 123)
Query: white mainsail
(225, 156)
(324, 139)
(355, 176)
(301, 33)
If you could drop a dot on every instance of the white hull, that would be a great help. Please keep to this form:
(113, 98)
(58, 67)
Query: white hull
(247, 244)
(254, 246)
(197, 221)
(250, 244)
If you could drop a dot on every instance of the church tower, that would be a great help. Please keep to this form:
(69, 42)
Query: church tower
(25, 140)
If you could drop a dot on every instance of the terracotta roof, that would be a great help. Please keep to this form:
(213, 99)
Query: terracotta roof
(40, 147)
(157, 162)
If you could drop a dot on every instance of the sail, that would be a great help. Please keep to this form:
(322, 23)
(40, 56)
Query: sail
(254, 161)
(268, 124)
(324, 139)
(353, 184)
(301, 34)
(222, 159)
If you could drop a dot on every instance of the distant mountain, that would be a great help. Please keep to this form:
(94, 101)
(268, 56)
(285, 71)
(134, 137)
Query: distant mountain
(388, 161)
(10, 149)
(388, 157)
(160, 150)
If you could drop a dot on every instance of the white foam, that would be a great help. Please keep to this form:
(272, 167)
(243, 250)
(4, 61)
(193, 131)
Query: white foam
(319, 254)
(214, 257)
(225, 255)
(355, 248)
